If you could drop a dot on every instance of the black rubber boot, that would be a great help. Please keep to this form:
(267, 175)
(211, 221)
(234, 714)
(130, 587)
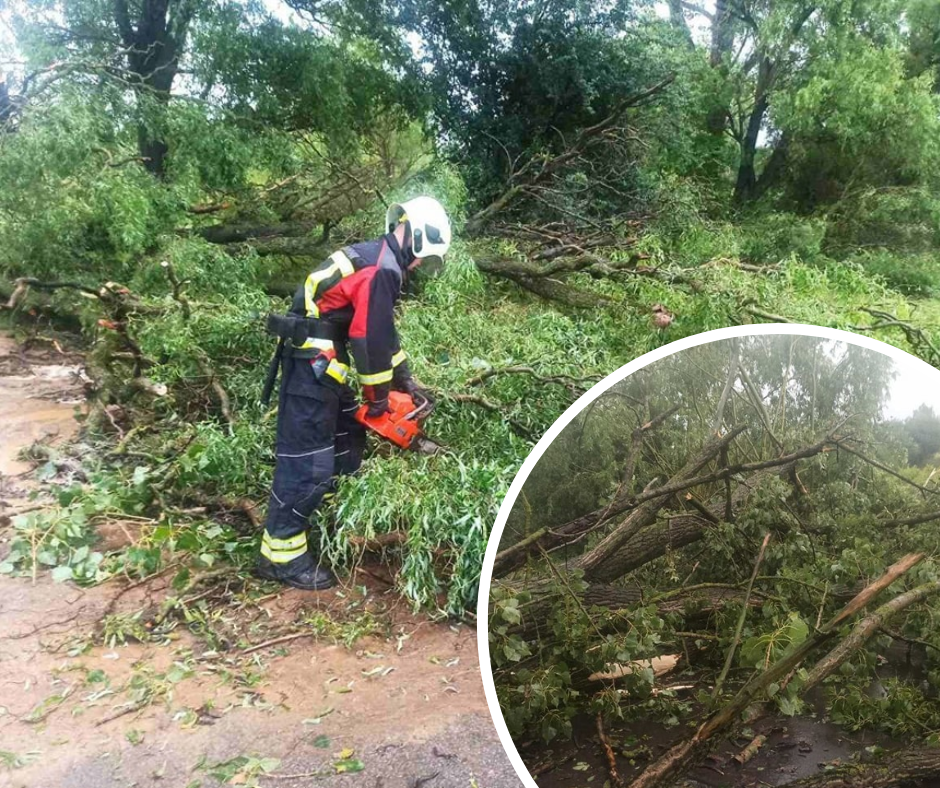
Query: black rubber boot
(312, 577)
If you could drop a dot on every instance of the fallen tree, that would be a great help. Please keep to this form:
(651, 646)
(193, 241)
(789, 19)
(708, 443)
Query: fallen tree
(647, 506)
(906, 768)
(664, 770)
(725, 530)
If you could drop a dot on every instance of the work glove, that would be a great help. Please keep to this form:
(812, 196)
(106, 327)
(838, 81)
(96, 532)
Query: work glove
(376, 398)
(403, 381)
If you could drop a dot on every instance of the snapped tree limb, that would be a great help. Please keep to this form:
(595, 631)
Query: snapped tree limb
(667, 767)
(904, 768)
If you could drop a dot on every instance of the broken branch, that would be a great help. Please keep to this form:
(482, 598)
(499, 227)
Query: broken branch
(664, 770)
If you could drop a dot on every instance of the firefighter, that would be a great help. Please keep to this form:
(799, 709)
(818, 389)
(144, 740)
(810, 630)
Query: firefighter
(343, 312)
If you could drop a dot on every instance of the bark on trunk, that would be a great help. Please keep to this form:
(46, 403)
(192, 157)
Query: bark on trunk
(154, 42)
(745, 188)
(905, 768)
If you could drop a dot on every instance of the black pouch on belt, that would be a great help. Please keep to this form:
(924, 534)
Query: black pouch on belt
(296, 329)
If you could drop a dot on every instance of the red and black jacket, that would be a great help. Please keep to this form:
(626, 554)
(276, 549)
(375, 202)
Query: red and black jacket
(354, 291)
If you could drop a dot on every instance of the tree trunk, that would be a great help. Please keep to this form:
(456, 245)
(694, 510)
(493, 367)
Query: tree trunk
(6, 106)
(905, 768)
(745, 188)
(152, 147)
(153, 42)
(677, 17)
(722, 33)
(606, 560)
(695, 604)
(774, 169)
(541, 282)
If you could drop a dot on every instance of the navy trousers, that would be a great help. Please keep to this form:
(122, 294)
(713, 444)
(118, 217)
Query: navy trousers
(318, 439)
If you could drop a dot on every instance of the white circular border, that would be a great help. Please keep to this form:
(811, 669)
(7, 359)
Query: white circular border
(486, 574)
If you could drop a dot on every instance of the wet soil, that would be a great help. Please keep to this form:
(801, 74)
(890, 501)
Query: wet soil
(40, 391)
(408, 704)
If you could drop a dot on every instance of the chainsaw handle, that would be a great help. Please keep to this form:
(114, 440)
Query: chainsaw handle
(423, 405)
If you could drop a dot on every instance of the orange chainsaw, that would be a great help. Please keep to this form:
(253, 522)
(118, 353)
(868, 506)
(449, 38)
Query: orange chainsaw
(402, 423)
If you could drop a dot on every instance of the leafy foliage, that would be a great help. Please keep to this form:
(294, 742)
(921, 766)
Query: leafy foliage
(277, 139)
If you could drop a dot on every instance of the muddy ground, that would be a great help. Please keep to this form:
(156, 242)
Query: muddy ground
(401, 709)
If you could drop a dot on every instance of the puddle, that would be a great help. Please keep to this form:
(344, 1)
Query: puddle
(38, 402)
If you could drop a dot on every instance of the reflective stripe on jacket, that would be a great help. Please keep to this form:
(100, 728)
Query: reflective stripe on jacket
(356, 289)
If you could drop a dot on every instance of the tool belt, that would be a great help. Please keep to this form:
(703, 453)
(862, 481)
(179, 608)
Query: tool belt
(292, 332)
(299, 329)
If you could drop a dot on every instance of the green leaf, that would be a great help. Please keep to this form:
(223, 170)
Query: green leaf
(348, 766)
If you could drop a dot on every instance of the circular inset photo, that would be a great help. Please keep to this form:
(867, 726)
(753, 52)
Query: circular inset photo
(721, 567)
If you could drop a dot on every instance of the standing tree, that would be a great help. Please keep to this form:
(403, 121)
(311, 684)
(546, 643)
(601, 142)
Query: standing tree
(771, 56)
(153, 35)
(923, 428)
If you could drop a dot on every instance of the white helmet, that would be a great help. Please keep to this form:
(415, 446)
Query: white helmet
(430, 227)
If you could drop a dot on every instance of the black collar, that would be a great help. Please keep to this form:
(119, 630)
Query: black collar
(405, 257)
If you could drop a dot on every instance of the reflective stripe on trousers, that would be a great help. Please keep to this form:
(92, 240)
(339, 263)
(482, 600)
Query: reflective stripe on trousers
(318, 438)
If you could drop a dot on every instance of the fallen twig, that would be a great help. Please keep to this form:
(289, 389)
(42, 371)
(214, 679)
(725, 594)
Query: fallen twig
(549, 765)
(518, 427)
(277, 641)
(751, 750)
(177, 289)
(7, 517)
(615, 778)
(391, 539)
(323, 772)
(130, 709)
(764, 315)
(740, 627)
(566, 381)
(225, 404)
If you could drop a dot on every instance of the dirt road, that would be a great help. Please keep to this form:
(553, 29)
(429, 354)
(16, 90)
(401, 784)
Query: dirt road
(403, 709)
